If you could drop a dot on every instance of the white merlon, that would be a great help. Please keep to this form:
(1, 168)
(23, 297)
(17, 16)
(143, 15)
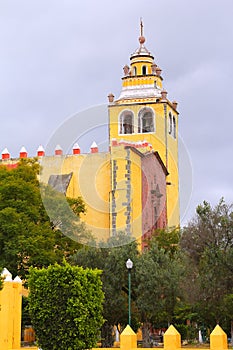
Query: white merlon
(76, 146)
(5, 151)
(40, 149)
(58, 148)
(94, 145)
(23, 150)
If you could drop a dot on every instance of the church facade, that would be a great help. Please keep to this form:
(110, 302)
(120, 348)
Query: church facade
(134, 187)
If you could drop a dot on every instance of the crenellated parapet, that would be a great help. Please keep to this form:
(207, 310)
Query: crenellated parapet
(58, 151)
(143, 146)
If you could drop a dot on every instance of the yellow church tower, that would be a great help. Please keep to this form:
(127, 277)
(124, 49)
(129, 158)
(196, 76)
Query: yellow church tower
(143, 113)
(134, 186)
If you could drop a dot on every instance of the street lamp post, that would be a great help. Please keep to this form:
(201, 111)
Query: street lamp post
(129, 265)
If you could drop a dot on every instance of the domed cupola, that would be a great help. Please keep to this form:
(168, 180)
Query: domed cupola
(142, 80)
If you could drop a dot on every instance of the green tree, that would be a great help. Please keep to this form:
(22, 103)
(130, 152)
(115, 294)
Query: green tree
(228, 310)
(158, 287)
(155, 284)
(167, 239)
(211, 227)
(115, 281)
(27, 236)
(65, 304)
(207, 242)
(64, 214)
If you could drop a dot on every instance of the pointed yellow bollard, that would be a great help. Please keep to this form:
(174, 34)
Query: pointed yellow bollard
(16, 312)
(128, 339)
(218, 339)
(10, 312)
(172, 339)
(6, 312)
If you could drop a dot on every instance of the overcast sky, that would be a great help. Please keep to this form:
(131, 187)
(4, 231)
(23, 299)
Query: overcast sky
(61, 57)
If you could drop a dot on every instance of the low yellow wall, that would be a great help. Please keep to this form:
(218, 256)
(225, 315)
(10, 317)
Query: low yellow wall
(172, 340)
(10, 324)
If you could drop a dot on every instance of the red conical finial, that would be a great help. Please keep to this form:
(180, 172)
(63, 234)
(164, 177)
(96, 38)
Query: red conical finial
(40, 151)
(23, 153)
(58, 151)
(76, 148)
(94, 147)
(5, 154)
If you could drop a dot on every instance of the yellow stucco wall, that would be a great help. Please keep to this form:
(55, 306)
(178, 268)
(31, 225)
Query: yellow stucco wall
(91, 180)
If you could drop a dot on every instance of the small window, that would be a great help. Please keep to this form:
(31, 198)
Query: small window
(126, 123)
(174, 127)
(135, 70)
(170, 123)
(146, 121)
(143, 70)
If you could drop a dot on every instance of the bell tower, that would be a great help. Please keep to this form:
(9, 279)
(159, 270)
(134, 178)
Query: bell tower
(143, 113)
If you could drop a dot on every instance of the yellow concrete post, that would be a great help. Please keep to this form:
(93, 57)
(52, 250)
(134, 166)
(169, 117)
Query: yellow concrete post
(17, 312)
(6, 326)
(10, 312)
(218, 339)
(128, 339)
(172, 339)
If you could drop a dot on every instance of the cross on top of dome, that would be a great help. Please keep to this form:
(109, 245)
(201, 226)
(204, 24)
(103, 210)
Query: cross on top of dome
(142, 50)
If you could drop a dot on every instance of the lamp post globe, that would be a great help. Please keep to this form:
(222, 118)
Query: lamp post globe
(129, 264)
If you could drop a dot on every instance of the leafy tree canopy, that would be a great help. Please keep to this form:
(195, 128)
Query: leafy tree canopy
(115, 279)
(208, 244)
(155, 278)
(167, 239)
(27, 237)
(65, 304)
(211, 227)
(158, 291)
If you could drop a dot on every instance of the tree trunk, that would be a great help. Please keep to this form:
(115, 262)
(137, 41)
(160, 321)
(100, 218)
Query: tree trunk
(107, 339)
(146, 335)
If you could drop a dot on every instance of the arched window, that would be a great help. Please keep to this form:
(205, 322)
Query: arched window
(126, 122)
(170, 123)
(135, 70)
(143, 70)
(174, 127)
(146, 120)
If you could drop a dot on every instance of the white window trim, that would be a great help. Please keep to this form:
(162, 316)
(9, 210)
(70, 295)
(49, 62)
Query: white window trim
(140, 114)
(120, 121)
